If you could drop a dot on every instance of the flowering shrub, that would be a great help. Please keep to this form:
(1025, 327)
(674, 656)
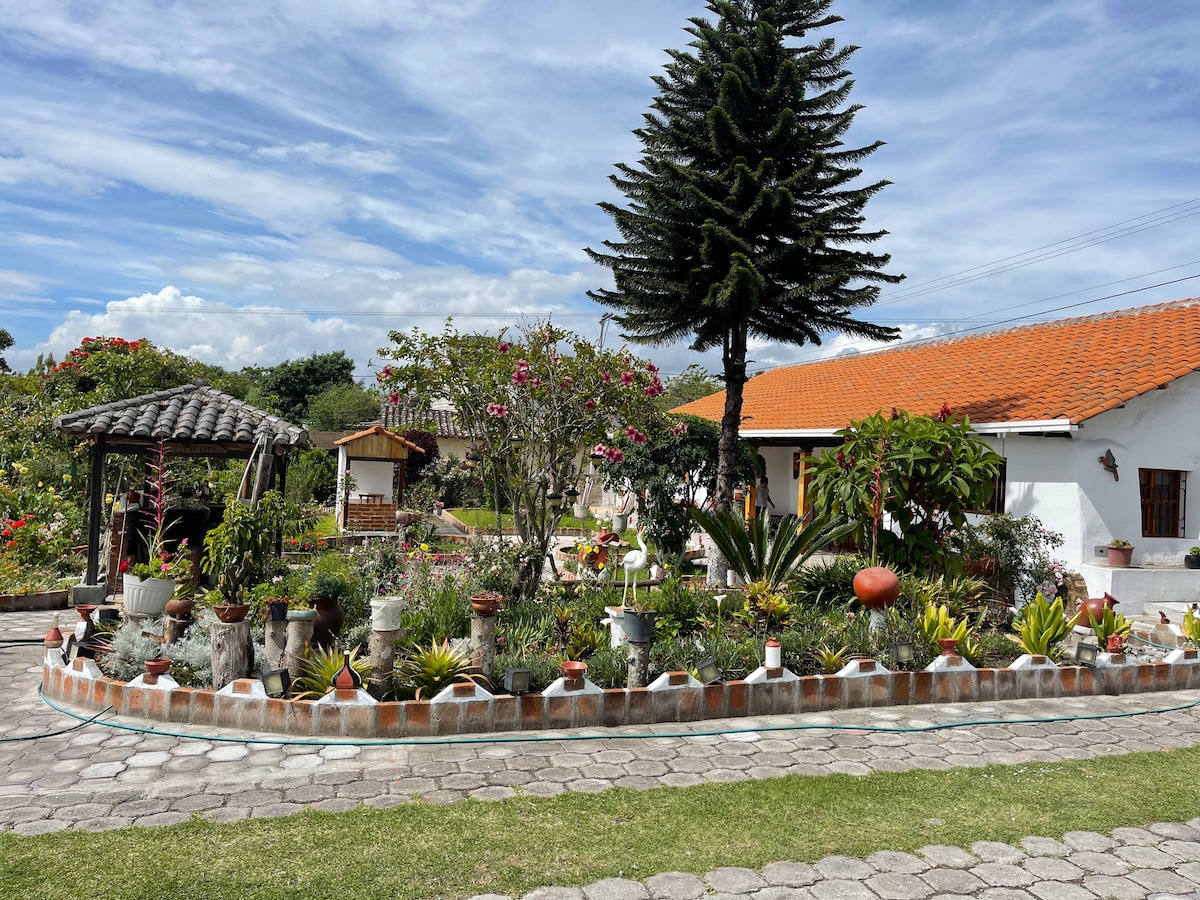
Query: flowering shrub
(37, 529)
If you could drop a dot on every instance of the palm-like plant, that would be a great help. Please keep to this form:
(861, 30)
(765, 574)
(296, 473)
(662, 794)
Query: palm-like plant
(757, 556)
(434, 668)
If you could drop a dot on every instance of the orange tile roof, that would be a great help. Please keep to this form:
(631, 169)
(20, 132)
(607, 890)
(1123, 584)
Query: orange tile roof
(1071, 369)
(380, 430)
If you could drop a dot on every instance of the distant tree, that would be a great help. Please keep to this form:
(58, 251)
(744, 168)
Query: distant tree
(691, 384)
(418, 463)
(6, 341)
(743, 220)
(290, 386)
(342, 406)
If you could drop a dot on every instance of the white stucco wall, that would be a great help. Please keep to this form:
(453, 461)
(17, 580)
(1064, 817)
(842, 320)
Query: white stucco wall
(371, 477)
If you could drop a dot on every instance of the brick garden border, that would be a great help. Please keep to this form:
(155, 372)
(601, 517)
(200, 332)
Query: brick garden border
(34, 602)
(77, 683)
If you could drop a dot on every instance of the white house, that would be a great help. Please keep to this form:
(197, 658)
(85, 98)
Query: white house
(1054, 399)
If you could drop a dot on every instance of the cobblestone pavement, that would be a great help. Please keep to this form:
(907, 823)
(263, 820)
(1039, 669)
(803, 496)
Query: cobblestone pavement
(97, 778)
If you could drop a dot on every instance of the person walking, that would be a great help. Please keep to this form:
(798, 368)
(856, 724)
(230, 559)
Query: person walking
(762, 498)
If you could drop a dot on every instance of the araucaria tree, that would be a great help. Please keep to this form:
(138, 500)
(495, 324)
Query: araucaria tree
(744, 215)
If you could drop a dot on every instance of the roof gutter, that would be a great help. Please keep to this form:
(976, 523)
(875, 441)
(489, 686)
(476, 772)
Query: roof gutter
(806, 435)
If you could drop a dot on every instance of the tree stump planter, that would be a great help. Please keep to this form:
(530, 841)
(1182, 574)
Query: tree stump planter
(232, 652)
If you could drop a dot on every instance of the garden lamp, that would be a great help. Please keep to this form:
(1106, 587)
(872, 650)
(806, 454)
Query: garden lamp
(472, 459)
(277, 683)
(516, 441)
(554, 498)
(516, 681)
(708, 671)
(903, 652)
(571, 494)
(1085, 654)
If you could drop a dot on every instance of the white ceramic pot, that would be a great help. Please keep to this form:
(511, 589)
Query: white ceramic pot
(147, 596)
(385, 614)
(616, 622)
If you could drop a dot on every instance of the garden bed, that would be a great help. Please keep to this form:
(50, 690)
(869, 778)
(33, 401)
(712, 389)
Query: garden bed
(39, 600)
(81, 684)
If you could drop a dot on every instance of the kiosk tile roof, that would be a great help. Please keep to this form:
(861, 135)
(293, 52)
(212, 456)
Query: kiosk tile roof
(1060, 372)
(195, 412)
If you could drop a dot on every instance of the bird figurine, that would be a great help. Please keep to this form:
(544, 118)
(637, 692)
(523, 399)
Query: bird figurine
(1162, 618)
(635, 561)
(1110, 465)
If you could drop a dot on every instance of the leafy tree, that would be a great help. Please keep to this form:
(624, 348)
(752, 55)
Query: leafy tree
(290, 386)
(342, 406)
(923, 473)
(104, 369)
(743, 219)
(6, 341)
(672, 472)
(418, 463)
(690, 384)
(534, 402)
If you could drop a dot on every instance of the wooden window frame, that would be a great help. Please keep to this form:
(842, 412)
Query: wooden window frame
(1163, 494)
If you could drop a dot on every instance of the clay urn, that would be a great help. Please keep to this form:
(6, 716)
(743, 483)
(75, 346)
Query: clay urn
(877, 587)
(947, 644)
(54, 637)
(155, 668)
(1093, 609)
(572, 669)
(231, 612)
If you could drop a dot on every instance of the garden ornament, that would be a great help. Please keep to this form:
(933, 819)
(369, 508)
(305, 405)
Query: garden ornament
(635, 561)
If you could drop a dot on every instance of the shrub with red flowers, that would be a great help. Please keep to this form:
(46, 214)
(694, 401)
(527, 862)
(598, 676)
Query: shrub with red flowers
(37, 530)
(534, 402)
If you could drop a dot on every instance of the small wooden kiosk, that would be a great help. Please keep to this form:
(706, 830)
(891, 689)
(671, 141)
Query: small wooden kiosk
(370, 482)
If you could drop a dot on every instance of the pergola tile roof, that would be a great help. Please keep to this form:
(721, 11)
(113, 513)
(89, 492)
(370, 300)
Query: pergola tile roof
(195, 412)
(401, 416)
(1068, 371)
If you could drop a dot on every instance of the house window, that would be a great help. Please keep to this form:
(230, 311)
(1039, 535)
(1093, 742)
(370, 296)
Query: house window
(1163, 493)
(995, 506)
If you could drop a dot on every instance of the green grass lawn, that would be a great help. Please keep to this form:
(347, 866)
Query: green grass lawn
(486, 518)
(420, 850)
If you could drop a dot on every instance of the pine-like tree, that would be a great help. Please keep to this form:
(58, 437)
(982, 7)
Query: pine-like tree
(743, 218)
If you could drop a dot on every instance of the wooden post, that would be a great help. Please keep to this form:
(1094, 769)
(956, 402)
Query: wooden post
(174, 628)
(483, 643)
(276, 641)
(96, 499)
(232, 652)
(299, 639)
(382, 645)
(639, 664)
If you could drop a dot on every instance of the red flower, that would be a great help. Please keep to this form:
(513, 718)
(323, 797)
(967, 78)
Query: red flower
(626, 378)
(123, 566)
(503, 347)
(589, 405)
(520, 376)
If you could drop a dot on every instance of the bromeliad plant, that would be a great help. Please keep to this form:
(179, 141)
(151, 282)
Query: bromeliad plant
(1110, 625)
(160, 562)
(937, 623)
(1043, 626)
(434, 668)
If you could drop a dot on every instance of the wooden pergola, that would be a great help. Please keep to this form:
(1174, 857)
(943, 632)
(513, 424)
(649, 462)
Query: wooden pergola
(194, 419)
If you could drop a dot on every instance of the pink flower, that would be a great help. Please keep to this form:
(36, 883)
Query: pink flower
(385, 373)
(605, 378)
(678, 429)
(653, 389)
(520, 376)
(536, 383)
(612, 454)
(165, 566)
(589, 405)
(651, 368)
(626, 378)
(503, 347)
(499, 410)
(634, 435)
(565, 383)
(393, 398)
(522, 364)
(599, 450)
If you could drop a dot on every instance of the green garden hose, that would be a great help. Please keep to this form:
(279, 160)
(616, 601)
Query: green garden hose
(531, 739)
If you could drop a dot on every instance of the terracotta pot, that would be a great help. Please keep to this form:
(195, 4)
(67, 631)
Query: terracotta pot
(1120, 557)
(877, 587)
(232, 612)
(330, 617)
(572, 669)
(487, 603)
(180, 608)
(156, 667)
(593, 559)
(947, 644)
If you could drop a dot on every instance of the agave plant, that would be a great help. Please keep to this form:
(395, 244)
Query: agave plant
(832, 661)
(755, 555)
(434, 668)
(1042, 625)
(321, 667)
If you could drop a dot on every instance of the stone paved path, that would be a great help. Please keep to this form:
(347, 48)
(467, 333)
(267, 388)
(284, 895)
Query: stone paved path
(97, 778)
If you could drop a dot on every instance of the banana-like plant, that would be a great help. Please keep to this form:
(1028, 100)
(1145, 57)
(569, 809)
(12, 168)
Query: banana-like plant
(755, 555)
(1043, 625)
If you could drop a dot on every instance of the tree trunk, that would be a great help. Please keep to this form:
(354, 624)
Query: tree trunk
(734, 359)
(382, 646)
(276, 641)
(639, 664)
(483, 643)
(299, 639)
(232, 652)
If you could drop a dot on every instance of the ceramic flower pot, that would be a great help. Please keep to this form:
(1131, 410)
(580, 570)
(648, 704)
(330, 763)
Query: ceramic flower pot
(877, 587)
(277, 610)
(487, 603)
(301, 615)
(330, 617)
(1191, 561)
(180, 608)
(147, 596)
(639, 626)
(1120, 557)
(385, 613)
(232, 612)
(155, 668)
(572, 669)
(947, 645)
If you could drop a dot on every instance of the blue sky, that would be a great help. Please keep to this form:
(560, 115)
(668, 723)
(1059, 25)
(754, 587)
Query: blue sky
(198, 174)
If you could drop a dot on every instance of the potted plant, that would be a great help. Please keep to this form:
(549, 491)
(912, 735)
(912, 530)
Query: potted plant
(148, 586)
(1120, 553)
(1191, 559)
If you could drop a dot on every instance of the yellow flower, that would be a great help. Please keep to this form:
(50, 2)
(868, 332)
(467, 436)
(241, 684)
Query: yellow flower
(49, 489)
(425, 548)
(39, 484)
(67, 479)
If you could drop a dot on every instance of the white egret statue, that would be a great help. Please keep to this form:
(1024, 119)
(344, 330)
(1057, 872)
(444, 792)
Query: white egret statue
(635, 561)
